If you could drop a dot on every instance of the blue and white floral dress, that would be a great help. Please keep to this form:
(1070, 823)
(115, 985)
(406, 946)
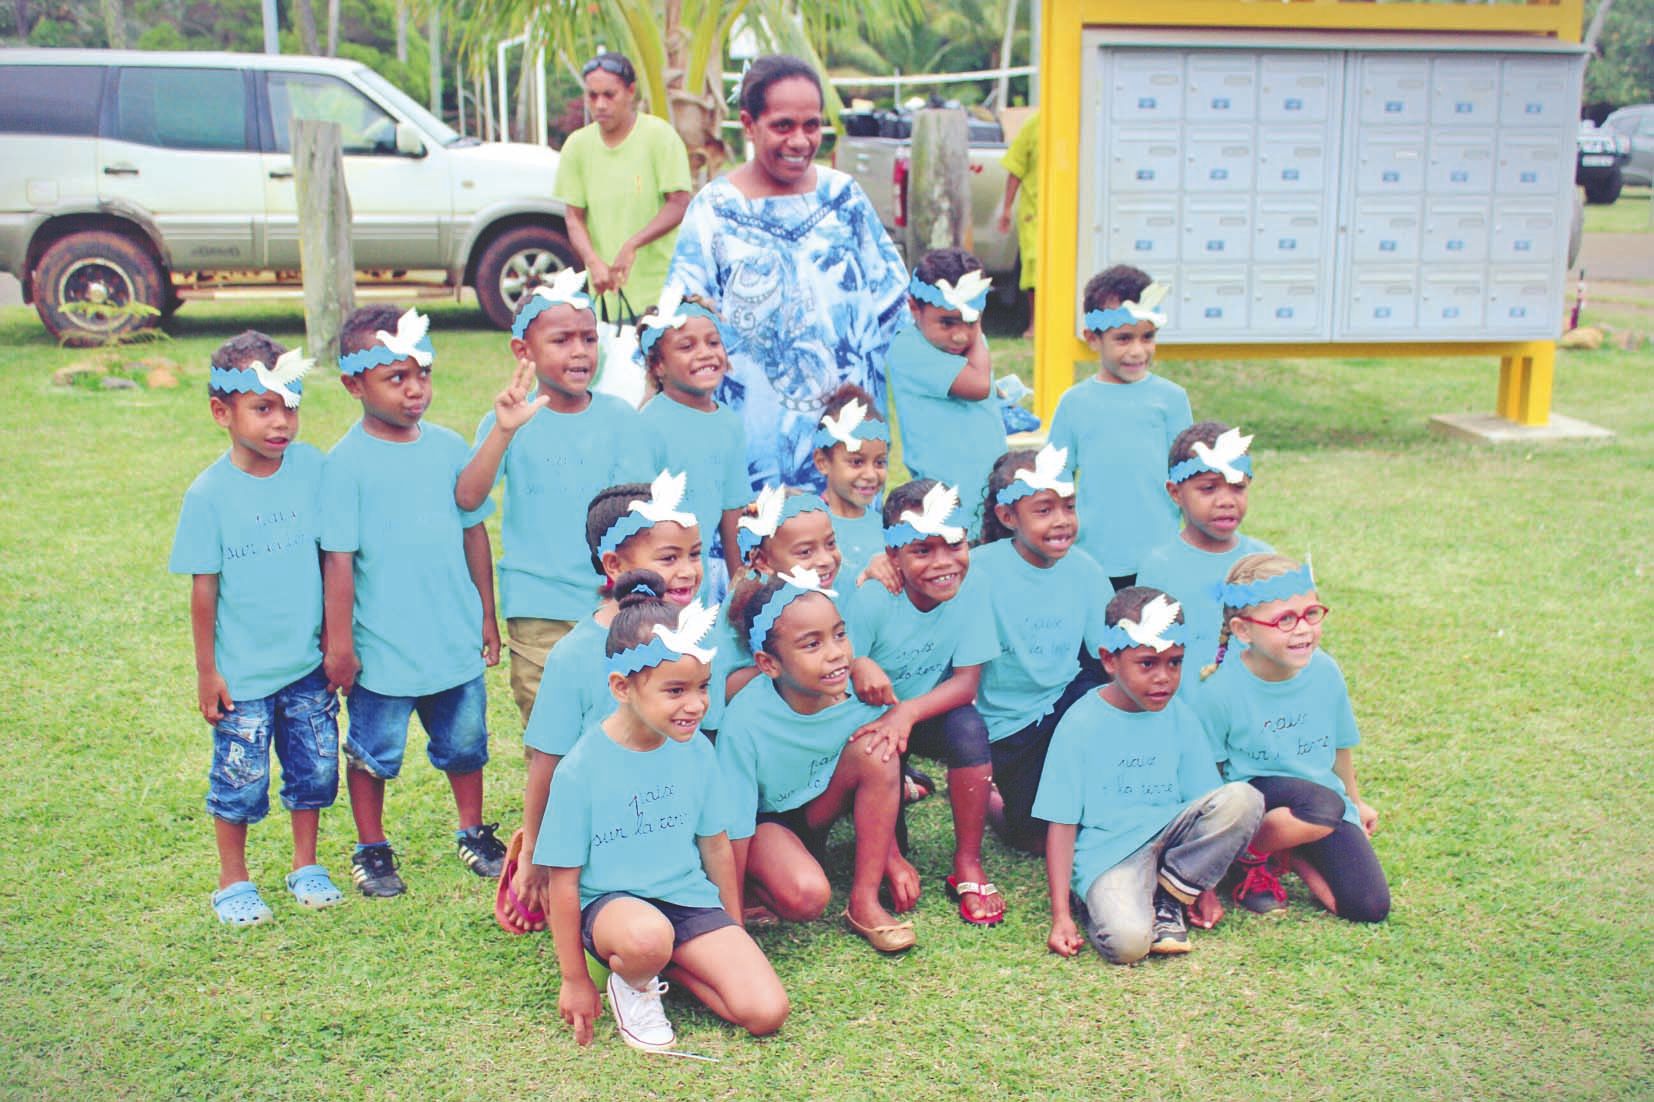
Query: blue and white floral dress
(810, 288)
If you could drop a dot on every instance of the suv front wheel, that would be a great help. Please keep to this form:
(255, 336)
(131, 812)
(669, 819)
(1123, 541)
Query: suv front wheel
(516, 262)
(92, 287)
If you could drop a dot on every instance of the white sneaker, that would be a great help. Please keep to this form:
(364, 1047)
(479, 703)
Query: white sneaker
(639, 1015)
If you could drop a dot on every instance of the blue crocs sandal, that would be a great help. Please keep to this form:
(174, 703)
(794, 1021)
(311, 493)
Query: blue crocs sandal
(313, 888)
(240, 905)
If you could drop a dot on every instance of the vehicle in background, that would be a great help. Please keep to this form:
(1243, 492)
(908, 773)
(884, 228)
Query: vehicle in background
(155, 178)
(1602, 157)
(875, 148)
(1636, 126)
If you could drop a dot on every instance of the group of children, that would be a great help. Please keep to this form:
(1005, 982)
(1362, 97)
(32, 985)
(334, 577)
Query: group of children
(1022, 617)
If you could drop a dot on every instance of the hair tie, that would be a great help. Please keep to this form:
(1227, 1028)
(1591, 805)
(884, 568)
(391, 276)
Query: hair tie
(1047, 474)
(939, 505)
(1156, 626)
(1278, 588)
(969, 296)
(775, 508)
(802, 580)
(411, 341)
(665, 494)
(695, 623)
(255, 378)
(850, 428)
(1227, 457)
(563, 290)
(1130, 313)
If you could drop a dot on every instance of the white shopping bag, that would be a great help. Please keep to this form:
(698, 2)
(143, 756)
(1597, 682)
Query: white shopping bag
(619, 367)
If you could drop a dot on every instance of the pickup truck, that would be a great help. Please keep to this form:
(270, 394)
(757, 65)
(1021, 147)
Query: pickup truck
(874, 146)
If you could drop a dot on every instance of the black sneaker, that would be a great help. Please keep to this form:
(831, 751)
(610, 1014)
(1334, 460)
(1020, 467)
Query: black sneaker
(373, 868)
(1171, 928)
(1259, 890)
(482, 853)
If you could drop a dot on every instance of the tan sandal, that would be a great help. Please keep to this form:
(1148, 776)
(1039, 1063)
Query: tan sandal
(896, 937)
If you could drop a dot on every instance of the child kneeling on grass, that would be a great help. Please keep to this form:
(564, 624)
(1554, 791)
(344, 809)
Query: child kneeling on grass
(247, 532)
(642, 874)
(1140, 822)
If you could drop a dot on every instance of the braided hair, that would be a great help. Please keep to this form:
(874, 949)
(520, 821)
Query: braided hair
(1003, 474)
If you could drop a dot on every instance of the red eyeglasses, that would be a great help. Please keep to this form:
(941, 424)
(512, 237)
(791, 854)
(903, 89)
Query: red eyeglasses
(1288, 620)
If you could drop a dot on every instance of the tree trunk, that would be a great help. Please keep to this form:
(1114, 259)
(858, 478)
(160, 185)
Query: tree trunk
(332, 28)
(402, 33)
(939, 200)
(114, 24)
(1594, 31)
(695, 113)
(307, 28)
(325, 258)
(25, 20)
(435, 33)
(525, 96)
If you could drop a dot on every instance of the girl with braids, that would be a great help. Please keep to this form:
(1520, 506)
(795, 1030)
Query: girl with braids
(1048, 600)
(653, 546)
(1278, 715)
(634, 844)
(785, 755)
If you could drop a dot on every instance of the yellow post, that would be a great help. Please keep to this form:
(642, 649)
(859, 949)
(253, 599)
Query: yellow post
(1055, 347)
(1525, 383)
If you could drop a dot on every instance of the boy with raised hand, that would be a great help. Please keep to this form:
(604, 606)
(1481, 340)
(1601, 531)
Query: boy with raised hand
(409, 592)
(247, 533)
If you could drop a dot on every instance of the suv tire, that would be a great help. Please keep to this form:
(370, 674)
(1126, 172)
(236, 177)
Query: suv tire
(513, 264)
(1604, 189)
(96, 266)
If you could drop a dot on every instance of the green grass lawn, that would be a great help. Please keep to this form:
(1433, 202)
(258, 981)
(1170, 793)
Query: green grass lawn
(1628, 214)
(1492, 613)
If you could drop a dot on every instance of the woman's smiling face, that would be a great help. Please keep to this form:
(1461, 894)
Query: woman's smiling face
(786, 136)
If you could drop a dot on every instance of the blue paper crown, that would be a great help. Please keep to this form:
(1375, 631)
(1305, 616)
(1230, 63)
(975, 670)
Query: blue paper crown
(377, 355)
(1278, 588)
(1115, 638)
(643, 656)
(1016, 489)
(243, 380)
(1195, 465)
(929, 292)
(1101, 321)
(686, 310)
(533, 305)
(764, 622)
(792, 507)
(902, 534)
(869, 429)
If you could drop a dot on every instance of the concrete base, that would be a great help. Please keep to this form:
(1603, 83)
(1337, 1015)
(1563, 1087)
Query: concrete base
(1490, 428)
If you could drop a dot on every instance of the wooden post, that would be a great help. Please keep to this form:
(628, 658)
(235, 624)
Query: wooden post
(939, 192)
(324, 235)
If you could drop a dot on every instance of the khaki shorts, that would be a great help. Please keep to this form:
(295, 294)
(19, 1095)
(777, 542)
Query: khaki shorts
(530, 641)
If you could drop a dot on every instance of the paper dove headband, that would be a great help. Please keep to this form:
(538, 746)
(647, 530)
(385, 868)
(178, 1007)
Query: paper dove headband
(860, 427)
(1130, 313)
(1227, 457)
(939, 506)
(1049, 467)
(800, 582)
(752, 531)
(1156, 626)
(670, 644)
(383, 351)
(652, 333)
(969, 296)
(255, 378)
(665, 494)
(563, 290)
(1278, 588)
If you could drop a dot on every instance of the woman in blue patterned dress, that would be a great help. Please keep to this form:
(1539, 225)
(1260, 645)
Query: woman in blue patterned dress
(809, 285)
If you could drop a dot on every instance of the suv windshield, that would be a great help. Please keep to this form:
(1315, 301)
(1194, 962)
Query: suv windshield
(435, 127)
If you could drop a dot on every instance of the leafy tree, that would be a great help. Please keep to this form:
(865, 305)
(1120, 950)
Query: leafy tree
(1622, 70)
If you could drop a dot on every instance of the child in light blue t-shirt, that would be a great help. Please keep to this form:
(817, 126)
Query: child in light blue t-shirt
(410, 593)
(932, 640)
(786, 753)
(1141, 825)
(247, 533)
(636, 847)
(941, 379)
(853, 454)
(1048, 599)
(1280, 719)
(684, 353)
(1119, 426)
(1208, 475)
(555, 444)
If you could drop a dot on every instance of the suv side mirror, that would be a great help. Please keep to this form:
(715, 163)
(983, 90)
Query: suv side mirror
(408, 141)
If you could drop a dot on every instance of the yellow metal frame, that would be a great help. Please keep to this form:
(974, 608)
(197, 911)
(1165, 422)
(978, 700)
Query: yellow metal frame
(1525, 368)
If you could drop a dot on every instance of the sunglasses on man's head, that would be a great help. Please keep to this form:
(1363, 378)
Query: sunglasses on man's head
(608, 65)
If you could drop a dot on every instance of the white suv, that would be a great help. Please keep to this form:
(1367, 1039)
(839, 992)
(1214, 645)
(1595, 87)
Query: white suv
(158, 177)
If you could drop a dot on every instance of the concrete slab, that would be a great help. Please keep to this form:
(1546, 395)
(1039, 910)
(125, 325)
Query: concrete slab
(1489, 428)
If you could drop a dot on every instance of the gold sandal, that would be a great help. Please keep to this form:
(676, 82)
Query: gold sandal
(896, 937)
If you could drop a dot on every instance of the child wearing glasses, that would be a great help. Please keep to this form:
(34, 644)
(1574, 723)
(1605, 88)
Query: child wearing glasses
(1279, 716)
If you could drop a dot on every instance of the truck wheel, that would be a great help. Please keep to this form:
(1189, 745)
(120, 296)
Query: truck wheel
(513, 264)
(1605, 189)
(100, 276)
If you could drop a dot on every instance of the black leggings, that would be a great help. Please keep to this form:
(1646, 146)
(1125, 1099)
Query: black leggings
(1344, 858)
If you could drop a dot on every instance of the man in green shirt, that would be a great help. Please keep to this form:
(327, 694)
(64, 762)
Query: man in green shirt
(1021, 163)
(625, 181)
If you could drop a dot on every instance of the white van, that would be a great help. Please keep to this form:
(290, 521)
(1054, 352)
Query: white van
(160, 177)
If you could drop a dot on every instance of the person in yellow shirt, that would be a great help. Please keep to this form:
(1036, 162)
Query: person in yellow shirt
(1021, 162)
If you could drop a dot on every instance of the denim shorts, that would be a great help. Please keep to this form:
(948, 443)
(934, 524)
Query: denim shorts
(455, 722)
(301, 722)
(688, 923)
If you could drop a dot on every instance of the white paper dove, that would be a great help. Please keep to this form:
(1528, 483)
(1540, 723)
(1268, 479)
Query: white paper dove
(931, 520)
(411, 328)
(958, 296)
(695, 623)
(1151, 625)
(665, 495)
(768, 518)
(565, 287)
(802, 577)
(1146, 308)
(843, 428)
(1049, 465)
(665, 314)
(1225, 450)
(289, 367)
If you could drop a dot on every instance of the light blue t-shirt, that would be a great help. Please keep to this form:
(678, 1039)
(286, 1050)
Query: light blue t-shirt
(552, 469)
(574, 691)
(712, 449)
(1291, 728)
(1121, 777)
(628, 819)
(774, 759)
(259, 536)
(916, 650)
(1118, 436)
(859, 539)
(418, 616)
(1042, 616)
(953, 440)
(1194, 578)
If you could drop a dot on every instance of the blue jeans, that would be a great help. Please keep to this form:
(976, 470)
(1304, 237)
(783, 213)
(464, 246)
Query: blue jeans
(1188, 856)
(455, 722)
(301, 722)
